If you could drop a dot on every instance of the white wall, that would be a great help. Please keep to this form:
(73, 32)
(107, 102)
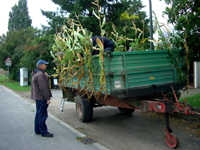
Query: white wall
(196, 75)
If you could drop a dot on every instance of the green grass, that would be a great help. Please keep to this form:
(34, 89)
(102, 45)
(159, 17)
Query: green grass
(3, 78)
(193, 101)
(14, 85)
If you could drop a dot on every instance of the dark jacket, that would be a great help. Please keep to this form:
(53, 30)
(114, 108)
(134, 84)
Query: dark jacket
(108, 44)
(40, 86)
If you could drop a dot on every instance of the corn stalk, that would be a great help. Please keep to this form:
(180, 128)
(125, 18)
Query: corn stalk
(167, 45)
(101, 47)
(72, 52)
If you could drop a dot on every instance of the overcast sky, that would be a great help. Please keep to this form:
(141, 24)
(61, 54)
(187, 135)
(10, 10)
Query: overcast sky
(34, 7)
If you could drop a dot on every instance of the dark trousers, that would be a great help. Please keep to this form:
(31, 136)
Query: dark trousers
(41, 116)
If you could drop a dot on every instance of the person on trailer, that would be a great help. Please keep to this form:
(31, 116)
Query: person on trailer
(108, 44)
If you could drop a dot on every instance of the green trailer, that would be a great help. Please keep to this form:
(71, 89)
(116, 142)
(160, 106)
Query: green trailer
(136, 74)
(134, 80)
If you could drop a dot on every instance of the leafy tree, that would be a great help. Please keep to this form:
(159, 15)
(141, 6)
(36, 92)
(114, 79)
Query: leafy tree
(184, 15)
(139, 16)
(133, 19)
(25, 48)
(19, 17)
(32, 53)
(112, 9)
(56, 21)
(12, 45)
(79, 7)
(3, 56)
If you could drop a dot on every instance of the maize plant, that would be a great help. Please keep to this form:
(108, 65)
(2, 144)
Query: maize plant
(72, 52)
(164, 43)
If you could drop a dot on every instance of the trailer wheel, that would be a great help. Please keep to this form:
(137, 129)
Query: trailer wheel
(84, 108)
(172, 141)
(126, 111)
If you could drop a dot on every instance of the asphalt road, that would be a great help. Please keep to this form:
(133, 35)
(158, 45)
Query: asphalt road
(17, 128)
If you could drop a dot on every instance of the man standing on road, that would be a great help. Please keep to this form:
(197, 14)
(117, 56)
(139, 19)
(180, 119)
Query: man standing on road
(41, 93)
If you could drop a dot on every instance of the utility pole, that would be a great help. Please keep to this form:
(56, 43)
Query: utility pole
(151, 26)
(7, 73)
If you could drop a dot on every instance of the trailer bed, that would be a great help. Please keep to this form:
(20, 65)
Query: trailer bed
(136, 74)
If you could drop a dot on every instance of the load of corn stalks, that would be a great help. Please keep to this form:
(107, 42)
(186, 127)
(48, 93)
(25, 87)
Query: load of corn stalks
(135, 45)
(72, 53)
(166, 44)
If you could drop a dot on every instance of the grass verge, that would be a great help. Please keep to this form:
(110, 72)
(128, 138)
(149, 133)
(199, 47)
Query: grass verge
(14, 85)
(193, 100)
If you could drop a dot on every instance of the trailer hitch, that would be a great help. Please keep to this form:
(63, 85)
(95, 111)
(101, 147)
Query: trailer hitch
(178, 105)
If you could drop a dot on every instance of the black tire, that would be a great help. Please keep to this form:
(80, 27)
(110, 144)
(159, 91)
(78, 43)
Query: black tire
(126, 111)
(84, 108)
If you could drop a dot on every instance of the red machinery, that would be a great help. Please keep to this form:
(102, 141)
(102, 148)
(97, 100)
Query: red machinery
(156, 103)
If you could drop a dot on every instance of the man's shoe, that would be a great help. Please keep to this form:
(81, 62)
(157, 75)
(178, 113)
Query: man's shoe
(47, 135)
(38, 133)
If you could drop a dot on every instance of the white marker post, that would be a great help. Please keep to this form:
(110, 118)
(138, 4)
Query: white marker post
(8, 63)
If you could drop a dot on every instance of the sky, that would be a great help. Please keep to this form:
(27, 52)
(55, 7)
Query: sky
(34, 7)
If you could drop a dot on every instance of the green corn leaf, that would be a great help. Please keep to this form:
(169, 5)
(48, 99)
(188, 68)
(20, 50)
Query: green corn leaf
(104, 22)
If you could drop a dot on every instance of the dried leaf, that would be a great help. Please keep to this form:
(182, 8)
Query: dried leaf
(99, 43)
(96, 15)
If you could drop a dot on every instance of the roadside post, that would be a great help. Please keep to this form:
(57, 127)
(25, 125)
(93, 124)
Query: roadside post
(8, 63)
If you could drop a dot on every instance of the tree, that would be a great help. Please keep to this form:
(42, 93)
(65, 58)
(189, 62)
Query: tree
(139, 16)
(25, 47)
(56, 21)
(112, 9)
(79, 7)
(39, 49)
(134, 18)
(19, 17)
(184, 15)
(2, 56)
(12, 44)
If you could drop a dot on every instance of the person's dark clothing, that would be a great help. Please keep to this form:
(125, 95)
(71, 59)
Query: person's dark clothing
(190, 77)
(40, 86)
(40, 92)
(40, 117)
(108, 44)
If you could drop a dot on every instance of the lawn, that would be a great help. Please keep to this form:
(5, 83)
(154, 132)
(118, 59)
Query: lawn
(14, 85)
(193, 101)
